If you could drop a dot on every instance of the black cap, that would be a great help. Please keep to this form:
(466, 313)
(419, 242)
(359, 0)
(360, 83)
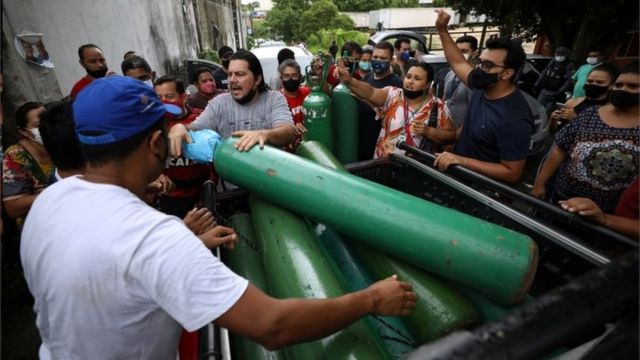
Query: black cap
(224, 51)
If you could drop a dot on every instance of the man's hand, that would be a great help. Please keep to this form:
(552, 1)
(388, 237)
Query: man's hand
(300, 129)
(392, 297)
(199, 221)
(162, 185)
(342, 72)
(443, 20)
(585, 207)
(166, 184)
(418, 128)
(446, 159)
(177, 135)
(248, 138)
(538, 191)
(218, 236)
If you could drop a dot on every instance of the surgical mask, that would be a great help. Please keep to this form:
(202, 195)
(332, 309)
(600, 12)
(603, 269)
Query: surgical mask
(149, 83)
(179, 103)
(592, 60)
(623, 99)
(100, 73)
(291, 85)
(364, 66)
(412, 94)
(594, 91)
(36, 135)
(560, 58)
(479, 79)
(208, 88)
(380, 66)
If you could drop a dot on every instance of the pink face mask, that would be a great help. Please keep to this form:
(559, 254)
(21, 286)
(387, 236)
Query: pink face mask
(208, 88)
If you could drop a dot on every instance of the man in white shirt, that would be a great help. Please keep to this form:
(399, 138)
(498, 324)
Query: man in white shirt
(114, 278)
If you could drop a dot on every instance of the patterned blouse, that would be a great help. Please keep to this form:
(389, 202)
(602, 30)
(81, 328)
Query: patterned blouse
(602, 162)
(22, 174)
(394, 124)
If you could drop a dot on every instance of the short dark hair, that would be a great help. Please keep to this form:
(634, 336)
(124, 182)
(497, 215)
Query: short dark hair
(23, 110)
(367, 50)
(468, 39)
(515, 53)
(59, 135)
(289, 63)
(350, 47)
(630, 68)
(200, 70)
(401, 40)
(134, 62)
(385, 45)
(285, 54)
(99, 155)
(82, 48)
(254, 66)
(424, 66)
(128, 53)
(608, 68)
(170, 78)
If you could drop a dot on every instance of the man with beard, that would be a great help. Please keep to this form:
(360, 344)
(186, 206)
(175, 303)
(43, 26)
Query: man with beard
(221, 75)
(249, 110)
(93, 61)
(496, 133)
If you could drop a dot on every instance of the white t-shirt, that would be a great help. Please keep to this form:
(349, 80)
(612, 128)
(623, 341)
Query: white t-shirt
(113, 278)
(225, 115)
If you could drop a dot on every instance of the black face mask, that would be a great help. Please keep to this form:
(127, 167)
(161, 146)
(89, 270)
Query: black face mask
(623, 99)
(352, 66)
(291, 85)
(479, 79)
(245, 99)
(100, 73)
(412, 94)
(225, 63)
(594, 91)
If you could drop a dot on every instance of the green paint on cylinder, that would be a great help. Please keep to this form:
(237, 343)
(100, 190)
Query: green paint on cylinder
(296, 268)
(245, 261)
(318, 118)
(497, 261)
(346, 119)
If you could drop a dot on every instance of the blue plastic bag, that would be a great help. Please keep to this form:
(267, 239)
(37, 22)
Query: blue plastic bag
(203, 147)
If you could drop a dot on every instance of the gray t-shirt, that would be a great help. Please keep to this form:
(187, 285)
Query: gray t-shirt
(225, 115)
(457, 97)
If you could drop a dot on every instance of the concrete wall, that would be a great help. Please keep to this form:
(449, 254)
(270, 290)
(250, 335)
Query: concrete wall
(215, 23)
(162, 31)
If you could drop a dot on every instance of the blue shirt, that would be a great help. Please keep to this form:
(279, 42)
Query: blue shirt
(496, 130)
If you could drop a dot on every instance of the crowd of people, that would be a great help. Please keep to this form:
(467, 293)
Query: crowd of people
(114, 146)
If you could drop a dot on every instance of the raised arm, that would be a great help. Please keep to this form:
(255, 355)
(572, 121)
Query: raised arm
(361, 89)
(454, 57)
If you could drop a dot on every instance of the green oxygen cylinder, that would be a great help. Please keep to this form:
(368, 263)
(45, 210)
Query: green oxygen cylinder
(439, 308)
(317, 110)
(498, 262)
(296, 268)
(346, 118)
(245, 261)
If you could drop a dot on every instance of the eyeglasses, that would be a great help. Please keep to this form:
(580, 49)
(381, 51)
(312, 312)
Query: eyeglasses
(487, 65)
(289, 77)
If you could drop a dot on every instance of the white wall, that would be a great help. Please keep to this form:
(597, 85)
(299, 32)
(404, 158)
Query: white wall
(155, 29)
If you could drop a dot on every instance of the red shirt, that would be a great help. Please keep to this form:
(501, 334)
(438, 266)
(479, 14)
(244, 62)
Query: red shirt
(333, 80)
(186, 174)
(628, 204)
(81, 84)
(295, 106)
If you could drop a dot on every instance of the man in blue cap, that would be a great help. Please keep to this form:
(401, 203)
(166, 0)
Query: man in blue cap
(114, 278)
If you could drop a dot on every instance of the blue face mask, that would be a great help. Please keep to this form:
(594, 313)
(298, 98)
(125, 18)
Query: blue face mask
(379, 66)
(406, 55)
(364, 66)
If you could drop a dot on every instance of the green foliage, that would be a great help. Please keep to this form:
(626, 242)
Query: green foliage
(211, 55)
(261, 29)
(323, 14)
(321, 40)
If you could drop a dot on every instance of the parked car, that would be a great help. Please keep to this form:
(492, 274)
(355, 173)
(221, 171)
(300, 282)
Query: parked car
(269, 61)
(418, 41)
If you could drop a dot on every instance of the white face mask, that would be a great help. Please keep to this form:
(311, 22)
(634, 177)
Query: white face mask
(149, 83)
(560, 58)
(592, 60)
(466, 56)
(36, 135)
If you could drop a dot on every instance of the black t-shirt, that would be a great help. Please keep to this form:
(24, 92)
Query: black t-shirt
(496, 130)
(221, 78)
(369, 129)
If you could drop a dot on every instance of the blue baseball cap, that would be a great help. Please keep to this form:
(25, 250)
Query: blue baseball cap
(115, 108)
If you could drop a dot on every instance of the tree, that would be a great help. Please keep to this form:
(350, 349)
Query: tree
(577, 24)
(323, 14)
